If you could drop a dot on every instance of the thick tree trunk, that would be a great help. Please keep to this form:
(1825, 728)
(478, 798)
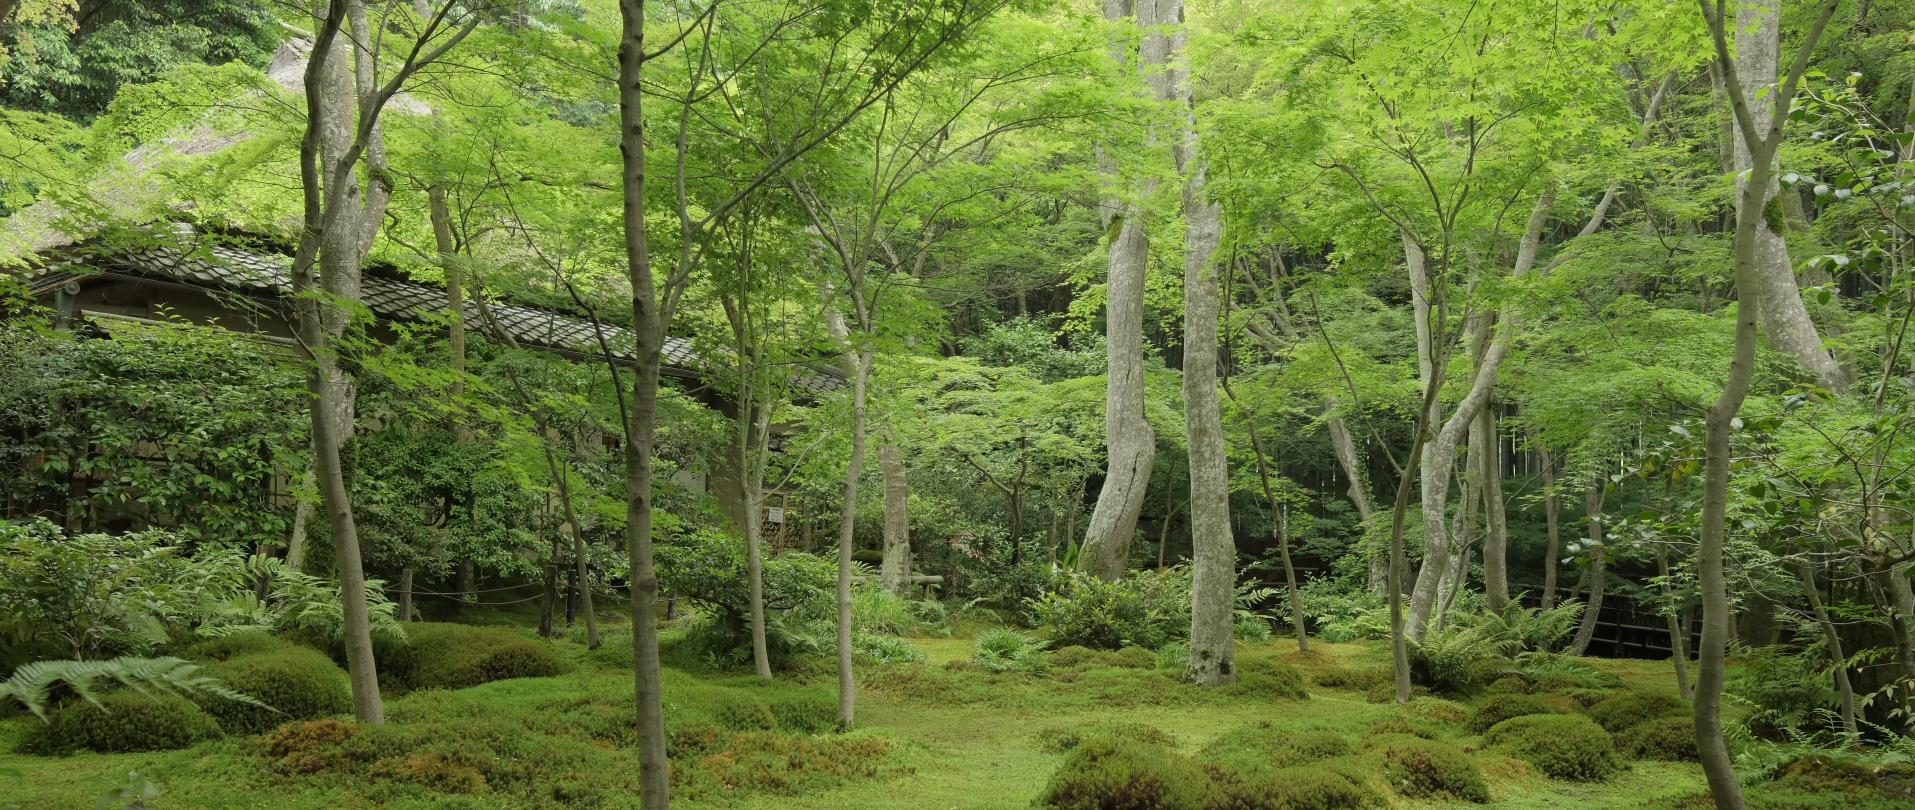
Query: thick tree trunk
(1783, 317)
(1130, 443)
(1598, 570)
(654, 770)
(896, 567)
(1214, 551)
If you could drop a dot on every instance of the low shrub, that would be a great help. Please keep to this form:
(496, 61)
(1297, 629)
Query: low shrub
(1455, 659)
(1564, 746)
(121, 722)
(1112, 773)
(1001, 650)
(1664, 739)
(1511, 684)
(302, 746)
(1252, 629)
(802, 712)
(1497, 708)
(1145, 609)
(295, 683)
(1131, 658)
(1629, 709)
(1064, 738)
(1311, 788)
(1424, 769)
(454, 656)
(883, 649)
(739, 711)
(1437, 710)
(1856, 783)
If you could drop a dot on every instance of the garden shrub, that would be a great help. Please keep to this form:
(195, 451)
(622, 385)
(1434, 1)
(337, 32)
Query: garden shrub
(1311, 788)
(1497, 708)
(883, 649)
(1629, 709)
(1144, 609)
(122, 722)
(295, 683)
(1664, 739)
(1564, 746)
(454, 656)
(1112, 773)
(1059, 739)
(1424, 769)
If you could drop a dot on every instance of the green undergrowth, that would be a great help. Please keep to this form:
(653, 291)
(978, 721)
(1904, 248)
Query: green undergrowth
(946, 733)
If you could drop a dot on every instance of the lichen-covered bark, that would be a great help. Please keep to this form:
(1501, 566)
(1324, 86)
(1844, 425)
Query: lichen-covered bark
(895, 571)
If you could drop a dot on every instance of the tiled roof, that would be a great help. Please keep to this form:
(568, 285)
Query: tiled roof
(232, 268)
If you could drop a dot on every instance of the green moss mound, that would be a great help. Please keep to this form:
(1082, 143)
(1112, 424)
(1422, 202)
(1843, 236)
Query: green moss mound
(228, 647)
(1337, 676)
(1564, 746)
(1264, 746)
(454, 656)
(1664, 739)
(1403, 724)
(1630, 709)
(1268, 679)
(1497, 708)
(1337, 785)
(1425, 769)
(121, 722)
(1112, 773)
(1065, 738)
(295, 683)
(1846, 783)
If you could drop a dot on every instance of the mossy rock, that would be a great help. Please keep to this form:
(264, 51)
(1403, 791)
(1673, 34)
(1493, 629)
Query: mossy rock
(121, 722)
(1425, 769)
(1497, 708)
(295, 683)
(1564, 746)
(1630, 709)
(1664, 739)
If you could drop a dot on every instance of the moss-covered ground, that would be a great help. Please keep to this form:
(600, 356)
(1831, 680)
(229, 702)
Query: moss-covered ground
(931, 736)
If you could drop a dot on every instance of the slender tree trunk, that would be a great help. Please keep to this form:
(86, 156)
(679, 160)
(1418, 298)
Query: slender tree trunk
(1281, 514)
(751, 472)
(1553, 516)
(1489, 455)
(1678, 629)
(654, 770)
(1130, 443)
(1598, 573)
(1712, 749)
(405, 594)
(897, 519)
(562, 477)
(859, 361)
(1838, 660)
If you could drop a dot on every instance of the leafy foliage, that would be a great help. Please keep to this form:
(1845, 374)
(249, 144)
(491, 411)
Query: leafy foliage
(1146, 609)
(122, 721)
(1564, 746)
(31, 685)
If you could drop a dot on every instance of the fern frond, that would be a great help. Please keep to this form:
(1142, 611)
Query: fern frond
(32, 684)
